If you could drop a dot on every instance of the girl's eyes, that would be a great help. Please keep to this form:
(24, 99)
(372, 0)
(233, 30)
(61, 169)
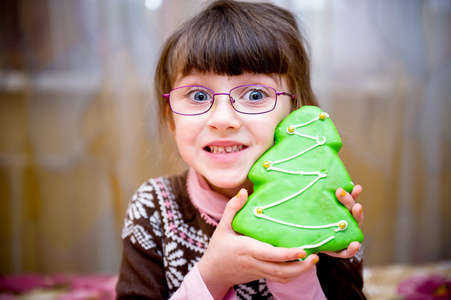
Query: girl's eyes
(199, 96)
(249, 94)
(255, 95)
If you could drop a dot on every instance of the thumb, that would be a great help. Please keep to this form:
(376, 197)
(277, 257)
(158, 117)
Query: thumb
(233, 206)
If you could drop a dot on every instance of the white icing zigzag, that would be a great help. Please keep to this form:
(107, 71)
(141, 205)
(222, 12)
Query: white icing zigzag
(270, 166)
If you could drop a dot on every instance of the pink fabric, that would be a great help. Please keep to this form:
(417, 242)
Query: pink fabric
(193, 287)
(305, 287)
(210, 204)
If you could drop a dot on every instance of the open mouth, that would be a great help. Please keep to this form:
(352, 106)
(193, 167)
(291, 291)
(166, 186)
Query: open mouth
(222, 150)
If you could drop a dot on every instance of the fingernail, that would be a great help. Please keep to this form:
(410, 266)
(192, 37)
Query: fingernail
(361, 211)
(315, 260)
(301, 255)
(238, 195)
(343, 193)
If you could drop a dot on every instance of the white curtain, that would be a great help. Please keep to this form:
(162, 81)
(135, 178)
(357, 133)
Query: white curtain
(78, 128)
(383, 69)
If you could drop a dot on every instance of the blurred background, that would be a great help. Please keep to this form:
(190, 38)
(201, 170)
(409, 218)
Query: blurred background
(78, 130)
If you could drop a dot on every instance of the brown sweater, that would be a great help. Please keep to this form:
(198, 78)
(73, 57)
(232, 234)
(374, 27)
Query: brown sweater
(164, 236)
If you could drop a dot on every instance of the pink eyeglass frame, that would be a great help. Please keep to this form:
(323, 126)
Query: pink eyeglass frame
(167, 96)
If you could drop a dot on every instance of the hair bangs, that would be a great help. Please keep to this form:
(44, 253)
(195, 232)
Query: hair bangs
(231, 56)
(222, 43)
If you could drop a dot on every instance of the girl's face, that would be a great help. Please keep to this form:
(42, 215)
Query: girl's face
(238, 139)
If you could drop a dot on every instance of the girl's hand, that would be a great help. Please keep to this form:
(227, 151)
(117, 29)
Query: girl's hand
(348, 200)
(233, 259)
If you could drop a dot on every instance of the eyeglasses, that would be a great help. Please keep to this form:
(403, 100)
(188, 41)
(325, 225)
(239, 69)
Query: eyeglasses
(195, 100)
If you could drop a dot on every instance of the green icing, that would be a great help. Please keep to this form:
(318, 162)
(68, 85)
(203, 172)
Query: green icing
(300, 209)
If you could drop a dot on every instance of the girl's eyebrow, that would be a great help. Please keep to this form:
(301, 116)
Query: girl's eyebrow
(190, 80)
(276, 77)
(202, 79)
(264, 79)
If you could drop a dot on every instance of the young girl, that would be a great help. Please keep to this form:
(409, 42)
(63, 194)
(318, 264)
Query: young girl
(224, 80)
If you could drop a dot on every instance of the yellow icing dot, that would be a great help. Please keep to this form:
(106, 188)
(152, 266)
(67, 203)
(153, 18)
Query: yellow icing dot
(322, 116)
(259, 210)
(291, 129)
(266, 164)
(342, 225)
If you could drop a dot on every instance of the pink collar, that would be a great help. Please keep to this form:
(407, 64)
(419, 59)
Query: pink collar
(210, 204)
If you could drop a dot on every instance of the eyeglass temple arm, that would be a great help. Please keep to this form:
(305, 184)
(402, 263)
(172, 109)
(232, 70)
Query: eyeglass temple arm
(285, 94)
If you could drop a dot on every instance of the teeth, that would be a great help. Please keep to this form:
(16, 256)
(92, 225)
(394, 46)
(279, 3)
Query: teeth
(228, 149)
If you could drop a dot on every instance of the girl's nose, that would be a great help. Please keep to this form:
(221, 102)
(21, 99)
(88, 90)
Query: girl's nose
(222, 114)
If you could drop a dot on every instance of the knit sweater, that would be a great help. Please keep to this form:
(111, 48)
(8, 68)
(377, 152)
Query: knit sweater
(164, 236)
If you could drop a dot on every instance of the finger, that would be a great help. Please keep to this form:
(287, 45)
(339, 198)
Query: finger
(356, 191)
(357, 213)
(311, 260)
(233, 206)
(266, 252)
(349, 252)
(287, 271)
(345, 198)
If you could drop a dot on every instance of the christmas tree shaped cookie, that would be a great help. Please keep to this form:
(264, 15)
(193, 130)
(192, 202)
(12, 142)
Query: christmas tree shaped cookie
(294, 203)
